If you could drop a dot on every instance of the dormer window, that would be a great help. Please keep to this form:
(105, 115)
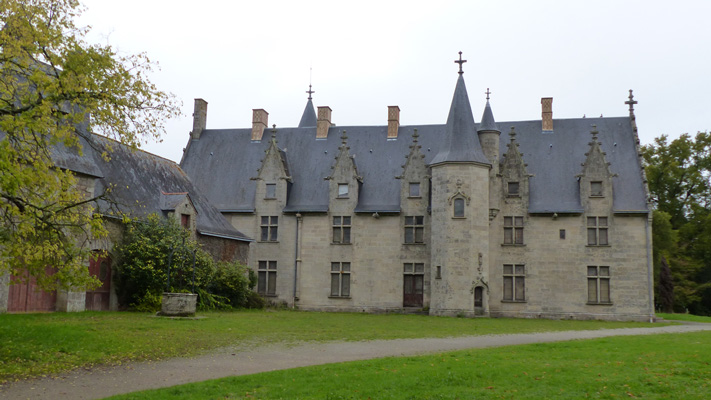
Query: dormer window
(596, 189)
(185, 221)
(458, 208)
(513, 189)
(415, 189)
(342, 190)
(271, 191)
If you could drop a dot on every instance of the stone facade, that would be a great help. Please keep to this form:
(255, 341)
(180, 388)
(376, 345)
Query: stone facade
(475, 230)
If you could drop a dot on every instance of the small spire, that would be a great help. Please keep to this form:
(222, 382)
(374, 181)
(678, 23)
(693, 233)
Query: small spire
(415, 135)
(274, 131)
(512, 134)
(460, 62)
(344, 138)
(631, 103)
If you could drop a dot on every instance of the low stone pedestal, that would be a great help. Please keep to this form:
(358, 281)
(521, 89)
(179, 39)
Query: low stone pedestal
(178, 305)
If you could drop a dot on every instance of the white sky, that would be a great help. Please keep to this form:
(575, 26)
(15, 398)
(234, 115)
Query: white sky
(366, 55)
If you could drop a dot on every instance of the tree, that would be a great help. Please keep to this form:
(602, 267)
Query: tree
(55, 90)
(679, 179)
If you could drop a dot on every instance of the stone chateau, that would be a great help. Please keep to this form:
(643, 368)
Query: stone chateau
(545, 218)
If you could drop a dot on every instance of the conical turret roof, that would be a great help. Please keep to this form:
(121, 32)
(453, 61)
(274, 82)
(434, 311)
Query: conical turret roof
(308, 118)
(487, 120)
(460, 142)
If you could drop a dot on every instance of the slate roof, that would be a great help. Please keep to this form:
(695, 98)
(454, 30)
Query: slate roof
(308, 118)
(144, 183)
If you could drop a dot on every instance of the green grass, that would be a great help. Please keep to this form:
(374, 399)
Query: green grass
(41, 344)
(684, 317)
(672, 366)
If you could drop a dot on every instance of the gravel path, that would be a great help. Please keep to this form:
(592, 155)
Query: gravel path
(102, 382)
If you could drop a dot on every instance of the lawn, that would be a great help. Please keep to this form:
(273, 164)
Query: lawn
(685, 317)
(41, 344)
(671, 366)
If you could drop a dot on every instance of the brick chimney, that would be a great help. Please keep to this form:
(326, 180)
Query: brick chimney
(260, 119)
(547, 114)
(393, 121)
(323, 123)
(199, 118)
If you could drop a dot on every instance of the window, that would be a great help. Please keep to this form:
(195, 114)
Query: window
(514, 282)
(415, 229)
(340, 279)
(512, 189)
(271, 191)
(562, 233)
(266, 278)
(270, 226)
(597, 231)
(596, 189)
(343, 190)
(413, 284)
(414, 189)
(438, 274)
(513, 230)
(342, 230)
(599, 285)
(458, 208)
(185, 220)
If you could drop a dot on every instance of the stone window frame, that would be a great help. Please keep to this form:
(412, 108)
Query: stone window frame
(596, 189)
(599, 285)
(269, 227)
(415, 225)
(514, 278)
(266, 277)
(462, 202)
(340, 280)
(598, 231)
(341, 228)
(513, 193)
(185, 221)
(341, 193)
(513, 230)
(418, 193)
(270, 191)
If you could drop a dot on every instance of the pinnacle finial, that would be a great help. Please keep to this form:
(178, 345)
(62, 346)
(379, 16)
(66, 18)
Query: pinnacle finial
(310, 92)
(594, 132)
(488, 92)
(274, 131)
(460, 62)
(415, 135)
(512, 134)
(631, 103)
(344, 138)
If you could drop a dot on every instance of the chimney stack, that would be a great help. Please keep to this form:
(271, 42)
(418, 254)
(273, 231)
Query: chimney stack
(260, 119)
(393, 121)
(323, 122)
(199, 118)
(547, 114)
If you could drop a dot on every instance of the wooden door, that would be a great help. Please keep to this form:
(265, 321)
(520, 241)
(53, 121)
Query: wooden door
(413, 291)
(100, 267)
(25, 296)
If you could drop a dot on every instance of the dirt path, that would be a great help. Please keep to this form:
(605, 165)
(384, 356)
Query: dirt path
(102, 382)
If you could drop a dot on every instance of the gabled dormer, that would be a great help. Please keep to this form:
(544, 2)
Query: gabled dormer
(513, 173)
(180, 207)
(273, 177)
(415, 180)
(344, 181)
(596, 178)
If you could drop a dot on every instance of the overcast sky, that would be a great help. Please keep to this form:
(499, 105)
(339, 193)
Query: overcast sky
(362, 56)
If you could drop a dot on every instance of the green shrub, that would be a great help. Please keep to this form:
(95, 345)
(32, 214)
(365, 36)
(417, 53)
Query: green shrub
(231, 280)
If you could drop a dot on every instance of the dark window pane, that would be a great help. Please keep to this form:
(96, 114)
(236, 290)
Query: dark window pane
(271, 283)
(272, 265)
(262, 265)
(519, 236)
(414, 189)
(419, 284)
(520, 289)
(346, 235)
(409, 284)
(265, 220)
(419, 268)
(508, 288)
(346, 267)
(336, 220)
(602, 221)
(592, 271)
(592, 240)
(335, 279)
(519, 270)
(604, 271)
(346, 285)
(513, 188)
(409, 220)
(336, 235)
(275, 220)
(409, 235)
(408, 267)
(508, 235)
(592, 221)
(508, 221)
(346, 220)
(596, 188)
(592, 290)
(271, 190)
(419, 235)
(459, 207)
(604, 290)
(508, 269)
(273, 236)
(335, 266)
(420, 220)
(603, 235)
(265, 233)
(262, 282)
(518, 221)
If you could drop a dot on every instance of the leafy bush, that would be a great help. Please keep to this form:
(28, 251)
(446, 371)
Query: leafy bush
(147, 248)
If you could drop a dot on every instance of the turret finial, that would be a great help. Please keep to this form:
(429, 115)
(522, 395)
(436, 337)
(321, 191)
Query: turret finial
(460, 62)
(488, 92)
(631, 103)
